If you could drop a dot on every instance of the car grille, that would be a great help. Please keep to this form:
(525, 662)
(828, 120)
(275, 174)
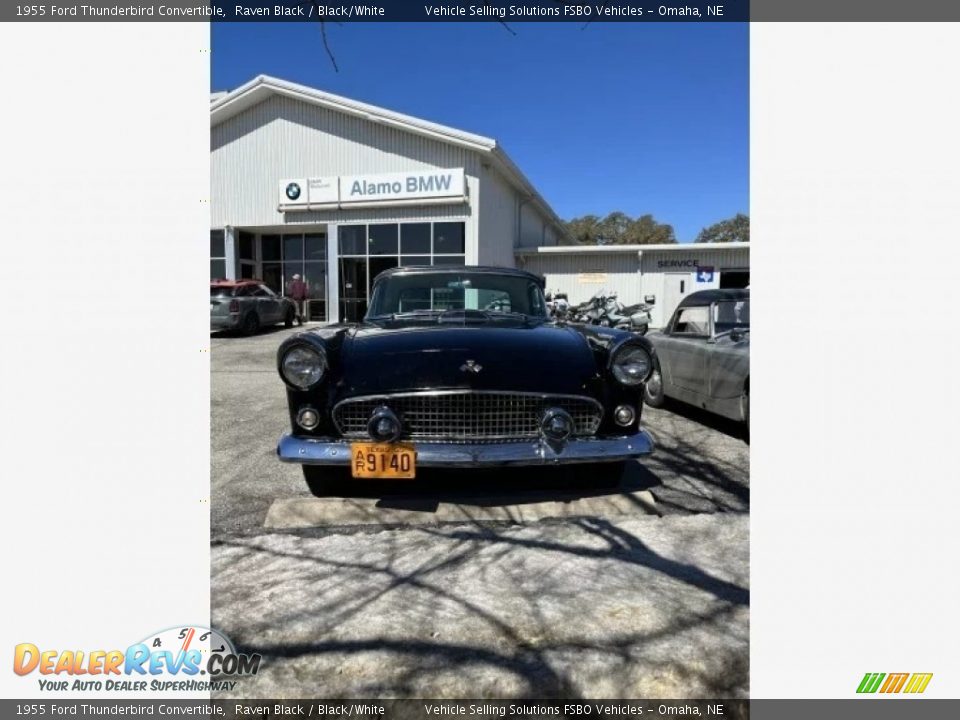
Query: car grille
(467, 416)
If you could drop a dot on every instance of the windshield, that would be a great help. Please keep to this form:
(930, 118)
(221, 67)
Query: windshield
(439, 292)
(221, 291)
(731, 314)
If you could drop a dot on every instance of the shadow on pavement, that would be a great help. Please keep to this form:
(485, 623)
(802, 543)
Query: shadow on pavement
(449, 613)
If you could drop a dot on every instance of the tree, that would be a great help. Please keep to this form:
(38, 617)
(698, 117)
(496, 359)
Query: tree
(618, 228)
(735, 229)
(584, 230)
(647, 231)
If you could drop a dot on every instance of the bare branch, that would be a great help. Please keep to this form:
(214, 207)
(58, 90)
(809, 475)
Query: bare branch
(326, 46)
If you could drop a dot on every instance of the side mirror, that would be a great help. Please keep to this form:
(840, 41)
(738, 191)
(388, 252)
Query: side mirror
(650, 299)
(736, 335)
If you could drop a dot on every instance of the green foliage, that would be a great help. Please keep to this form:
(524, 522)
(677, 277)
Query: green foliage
(618, 228)
(735, 229)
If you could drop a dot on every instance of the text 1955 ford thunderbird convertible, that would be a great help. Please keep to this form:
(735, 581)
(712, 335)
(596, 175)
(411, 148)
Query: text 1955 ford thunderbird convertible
(460, 367)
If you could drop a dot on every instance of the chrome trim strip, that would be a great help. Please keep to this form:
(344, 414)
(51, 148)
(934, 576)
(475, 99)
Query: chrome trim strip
(461, 391)
(336, 452)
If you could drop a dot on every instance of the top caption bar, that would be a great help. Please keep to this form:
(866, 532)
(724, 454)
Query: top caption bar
(385, 11)
(509, 12)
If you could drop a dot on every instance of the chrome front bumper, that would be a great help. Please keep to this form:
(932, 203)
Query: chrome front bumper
(334, 451)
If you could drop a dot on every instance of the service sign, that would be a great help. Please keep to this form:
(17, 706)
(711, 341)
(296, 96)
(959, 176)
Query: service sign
(418, 185)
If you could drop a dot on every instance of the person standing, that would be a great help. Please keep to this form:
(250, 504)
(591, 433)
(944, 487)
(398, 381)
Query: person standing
(298, 292)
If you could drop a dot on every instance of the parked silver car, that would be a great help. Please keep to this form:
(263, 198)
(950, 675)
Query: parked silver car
(703, 355)
(247, 306)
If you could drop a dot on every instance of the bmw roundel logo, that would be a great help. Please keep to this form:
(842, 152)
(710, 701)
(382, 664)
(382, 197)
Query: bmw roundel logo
(293, 191)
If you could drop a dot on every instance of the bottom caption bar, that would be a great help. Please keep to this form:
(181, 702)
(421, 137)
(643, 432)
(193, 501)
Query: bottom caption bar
(386, 709)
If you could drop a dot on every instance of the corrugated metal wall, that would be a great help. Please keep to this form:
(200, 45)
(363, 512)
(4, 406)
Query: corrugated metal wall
(287, 138)
(736, 257)
(282, 137)
(581, 275)
(498, 219)
(659, 264)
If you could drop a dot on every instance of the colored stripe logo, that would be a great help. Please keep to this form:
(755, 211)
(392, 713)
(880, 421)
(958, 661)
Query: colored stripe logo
(912, 683)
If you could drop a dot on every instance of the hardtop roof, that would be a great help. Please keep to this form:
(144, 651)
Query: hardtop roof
(707, 297)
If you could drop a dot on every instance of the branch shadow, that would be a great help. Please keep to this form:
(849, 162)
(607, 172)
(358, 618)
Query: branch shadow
(524, 642)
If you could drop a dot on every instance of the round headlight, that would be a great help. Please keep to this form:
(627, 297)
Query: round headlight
(303, 366)
(631, 365)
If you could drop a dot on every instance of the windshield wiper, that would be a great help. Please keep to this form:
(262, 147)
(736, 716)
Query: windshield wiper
(407, 315)
(505, 313)
(509, 314)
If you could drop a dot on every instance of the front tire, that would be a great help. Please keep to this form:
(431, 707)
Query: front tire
(324, 481)
(653, 390)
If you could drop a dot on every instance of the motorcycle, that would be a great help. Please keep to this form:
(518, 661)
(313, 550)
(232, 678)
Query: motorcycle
(605, 309)
(635, 318)
(558, 307)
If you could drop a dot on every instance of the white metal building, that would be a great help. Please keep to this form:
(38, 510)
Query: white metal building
(337, 190)
(662, 274)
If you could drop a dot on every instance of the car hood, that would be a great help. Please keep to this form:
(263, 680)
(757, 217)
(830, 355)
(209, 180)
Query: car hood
(541, 358)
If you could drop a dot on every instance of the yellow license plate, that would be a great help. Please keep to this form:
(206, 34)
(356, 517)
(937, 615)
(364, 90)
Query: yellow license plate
(383, 460)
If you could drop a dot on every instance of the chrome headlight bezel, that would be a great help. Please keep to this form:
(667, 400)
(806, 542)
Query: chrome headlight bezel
(631, 354)
(312, 369)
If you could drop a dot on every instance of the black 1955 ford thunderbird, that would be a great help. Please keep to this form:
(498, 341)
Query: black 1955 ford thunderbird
(460, 367)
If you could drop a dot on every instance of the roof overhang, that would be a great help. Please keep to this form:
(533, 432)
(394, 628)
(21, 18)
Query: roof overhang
(608, 249)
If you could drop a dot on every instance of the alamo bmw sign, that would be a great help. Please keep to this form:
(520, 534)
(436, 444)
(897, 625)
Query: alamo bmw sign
(431, 186)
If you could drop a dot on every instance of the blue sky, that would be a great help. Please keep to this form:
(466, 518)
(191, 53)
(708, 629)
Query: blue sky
(638, 117)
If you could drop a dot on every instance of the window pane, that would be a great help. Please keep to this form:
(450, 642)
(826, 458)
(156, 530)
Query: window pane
(272, 276)
(731, 314)
(217, 244)
(448, 237)
(315, 247)
(289, 270)
(246, 246)
(448, 260)
(415, 238)
(383, 239)
(292, 247)
(379, 264)
(353, 279)
(270, 247)
(218, 269)
(318, 310)
(352, 239)
(315, 276)
(409, 260)
(692, 321)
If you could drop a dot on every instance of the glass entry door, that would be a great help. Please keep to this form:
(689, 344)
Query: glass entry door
(353, 289)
